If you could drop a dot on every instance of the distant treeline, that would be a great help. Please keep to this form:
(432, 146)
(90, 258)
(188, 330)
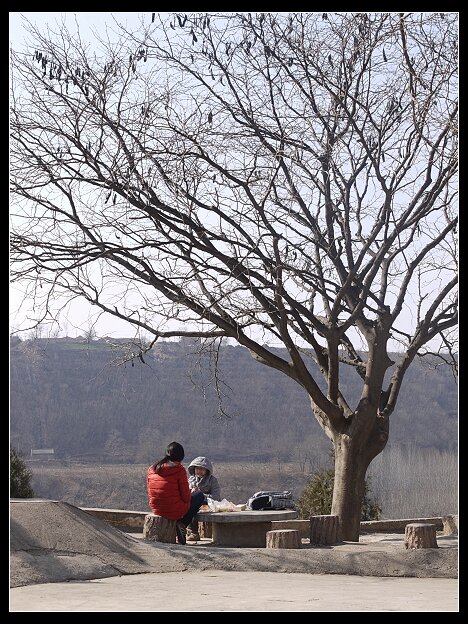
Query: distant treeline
(70, 395)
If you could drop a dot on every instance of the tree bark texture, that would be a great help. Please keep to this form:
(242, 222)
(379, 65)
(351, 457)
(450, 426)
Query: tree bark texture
(324, 530)
(285, 538)
(420, 535)
(348, 491)
(158, 529)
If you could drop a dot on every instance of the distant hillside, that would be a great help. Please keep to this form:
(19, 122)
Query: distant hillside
(67, 395)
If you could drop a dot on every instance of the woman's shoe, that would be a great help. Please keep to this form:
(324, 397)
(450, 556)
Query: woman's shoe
(192, 536)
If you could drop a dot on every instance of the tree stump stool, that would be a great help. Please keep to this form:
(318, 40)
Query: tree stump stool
(205, 529)
(450, 525)
(283, 538)
(324, 529)
(420, 535)
(158, 529)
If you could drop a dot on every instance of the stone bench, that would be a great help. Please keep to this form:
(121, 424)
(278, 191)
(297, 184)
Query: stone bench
(420, 535)
(283, 538)
(159, 529)
(450, 525)
(324, 530)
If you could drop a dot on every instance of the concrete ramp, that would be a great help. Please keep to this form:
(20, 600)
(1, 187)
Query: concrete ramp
(53, 525)
(53, 541)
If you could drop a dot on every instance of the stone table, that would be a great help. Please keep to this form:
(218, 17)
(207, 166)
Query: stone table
(243, 528)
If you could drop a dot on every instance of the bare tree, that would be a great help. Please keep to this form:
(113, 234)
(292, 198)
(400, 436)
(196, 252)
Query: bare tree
(275, 179)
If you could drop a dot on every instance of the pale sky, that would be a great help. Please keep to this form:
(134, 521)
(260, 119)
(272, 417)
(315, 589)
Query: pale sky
(78, 316)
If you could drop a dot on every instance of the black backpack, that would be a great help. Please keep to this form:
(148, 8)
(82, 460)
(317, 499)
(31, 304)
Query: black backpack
(271, 500)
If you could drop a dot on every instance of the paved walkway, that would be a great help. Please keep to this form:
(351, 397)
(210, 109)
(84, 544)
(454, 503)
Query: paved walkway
(213, 590)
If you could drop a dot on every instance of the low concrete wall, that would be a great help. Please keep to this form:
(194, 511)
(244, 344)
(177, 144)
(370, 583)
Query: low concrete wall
(121, 518)
(397, 526)
(373, 526)
(134, 520)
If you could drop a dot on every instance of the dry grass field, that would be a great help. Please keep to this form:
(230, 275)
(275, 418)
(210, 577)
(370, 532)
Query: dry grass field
(406, 484)
(123, 486)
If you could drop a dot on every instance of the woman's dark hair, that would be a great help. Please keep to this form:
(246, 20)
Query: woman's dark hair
(174, 452)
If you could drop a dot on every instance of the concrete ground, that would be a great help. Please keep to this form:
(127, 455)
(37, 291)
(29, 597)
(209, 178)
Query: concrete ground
(217, 590)
(63, 559)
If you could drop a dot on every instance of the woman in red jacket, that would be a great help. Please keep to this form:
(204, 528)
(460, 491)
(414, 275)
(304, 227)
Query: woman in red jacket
(169, 492)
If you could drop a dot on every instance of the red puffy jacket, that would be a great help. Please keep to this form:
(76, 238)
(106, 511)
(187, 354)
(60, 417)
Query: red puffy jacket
(168, 490)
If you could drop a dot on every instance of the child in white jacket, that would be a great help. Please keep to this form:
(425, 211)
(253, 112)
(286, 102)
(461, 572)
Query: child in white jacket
(201, 479)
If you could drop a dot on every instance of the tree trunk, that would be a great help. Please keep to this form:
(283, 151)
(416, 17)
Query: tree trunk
(348, 490)
(355, 445)
(284, 538)
(158, 529)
